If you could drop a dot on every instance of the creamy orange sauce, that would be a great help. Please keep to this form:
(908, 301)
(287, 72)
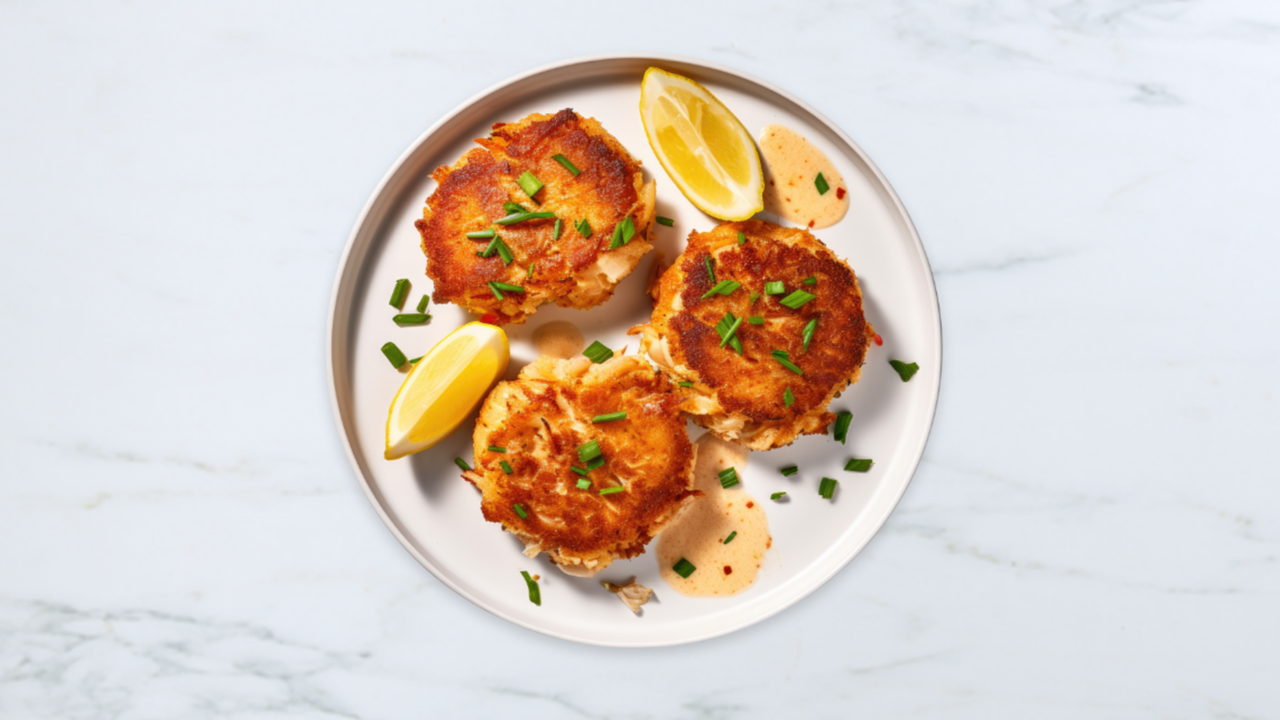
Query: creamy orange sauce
(558, 339)
(791, 167)
(699, 534)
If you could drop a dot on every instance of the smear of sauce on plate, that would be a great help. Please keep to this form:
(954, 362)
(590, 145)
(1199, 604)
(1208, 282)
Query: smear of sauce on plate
(558, 339)
(791, 170)
(699, 534)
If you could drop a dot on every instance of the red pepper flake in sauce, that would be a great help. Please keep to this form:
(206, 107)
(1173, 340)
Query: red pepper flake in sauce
(728, 570)
(839, 193)
(811, 222)
(879, 340)
(751, 504)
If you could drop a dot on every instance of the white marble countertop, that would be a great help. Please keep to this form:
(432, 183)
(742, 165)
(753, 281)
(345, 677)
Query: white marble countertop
(1094, 529)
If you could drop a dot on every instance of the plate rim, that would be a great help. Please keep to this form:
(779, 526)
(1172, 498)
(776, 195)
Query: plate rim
(346, 275)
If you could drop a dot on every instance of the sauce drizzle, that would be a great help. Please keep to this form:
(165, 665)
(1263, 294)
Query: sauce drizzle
(792, 165)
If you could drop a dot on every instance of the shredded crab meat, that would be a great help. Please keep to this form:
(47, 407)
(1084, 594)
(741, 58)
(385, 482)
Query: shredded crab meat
(632, 593)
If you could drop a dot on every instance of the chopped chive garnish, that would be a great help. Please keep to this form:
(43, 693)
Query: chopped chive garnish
(811, 280)
(520, 217)
(728, 334)
(567, 165)
(755, 320)
(495, 448)
(622, 233)
(580, 471)
(788, 398)
(506, 466)
(422, 304)
(397, 295)
(520, 511)
(809, 329)
(490, 248)
(742, 238)
(504, 252)
(724, 287)
(531, 270)
(462, 464)
(508, 287)
(754, 297)
(584, 484)
(535, 595)
(905, 371)
(589, 451)
(821, 184)
(683, 568)
(732, 535)
(559, 227)
(784, 359)
(685, 383)
(529, 184)
(511, 208)
(841, 430)
(611, 490)
(393, 354)
(598, 352)
(858, 465)
(777, 287)
(482, 234)
(789, 470)
(711, 270)
(728, 477)
(797, 299)
(410, 318)
(666, 221)
(610, 417)
(496, 292)
(583, 227)
(595, 463)
(722, 328)
(778, 495)
(827, 488)
(414, 360)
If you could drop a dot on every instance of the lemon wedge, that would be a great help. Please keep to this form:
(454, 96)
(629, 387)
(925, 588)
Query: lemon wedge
(703, 147)
(444, 387)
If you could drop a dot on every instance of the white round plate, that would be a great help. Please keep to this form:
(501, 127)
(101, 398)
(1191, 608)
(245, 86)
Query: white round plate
(436, 515)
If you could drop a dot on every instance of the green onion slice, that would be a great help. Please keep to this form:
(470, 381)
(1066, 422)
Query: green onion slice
(414, 360)
(589, 451)
(905, 371)
(462, 464)
(711, 270)
(666, 221)
(788, 398)
(580, 471)
(504, 252)
(724, 287)
(858, 465)
(481, 234)
(776, 287)
(567, 165)
(797, 299)
(584, 484)
(778, 495)
(732, 535)
(827, 488)
(685, 383)
(559, 227)
(622, 233)
(583, 227)
(598, 352)
(520, 217)
(496, 292)
(789, 470)
(508, 287)
(611, 490)
(809, 329)
(393, 354)
(495, 448)
(729, 334)
(683, 568)
(841, 430)
(722, 328)
(422, 304)
(742, 238)
(811, 280)
(410, 318)
(531, 270)
(506, 466)
(821, 184)
(610, 417)
(529, 184)
(397, 295)
(520, 511)
(784, 359)
(728, 477)
(595, 463)
(755, 320)
(754, 297)
(535, 595)
(511, 208)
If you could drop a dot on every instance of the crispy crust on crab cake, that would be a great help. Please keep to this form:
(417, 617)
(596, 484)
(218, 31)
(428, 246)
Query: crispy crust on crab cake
(573, 271)
(542, 418)
(741, 396)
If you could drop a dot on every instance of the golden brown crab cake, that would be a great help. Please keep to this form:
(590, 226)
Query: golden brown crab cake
(743, 395)
(577, 269)
(537, 423)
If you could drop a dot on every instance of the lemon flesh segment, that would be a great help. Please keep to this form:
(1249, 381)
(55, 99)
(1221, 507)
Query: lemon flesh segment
(444, 388)
(702, 146)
